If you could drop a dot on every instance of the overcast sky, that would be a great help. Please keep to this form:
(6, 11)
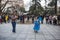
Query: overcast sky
(28, 3)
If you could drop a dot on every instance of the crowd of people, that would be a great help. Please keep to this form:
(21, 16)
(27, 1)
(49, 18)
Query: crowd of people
(55, 19)
(6, 18)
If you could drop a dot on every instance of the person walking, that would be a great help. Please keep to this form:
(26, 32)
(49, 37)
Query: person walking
(14, 17)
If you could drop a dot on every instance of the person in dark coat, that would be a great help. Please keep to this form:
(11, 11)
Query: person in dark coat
(47, 18)
(28, 18)
(32, 18)
(21, 18)
(42, 19)
(54, 19)
(58, 19)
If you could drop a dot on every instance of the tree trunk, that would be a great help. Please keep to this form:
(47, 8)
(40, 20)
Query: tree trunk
(55, 6)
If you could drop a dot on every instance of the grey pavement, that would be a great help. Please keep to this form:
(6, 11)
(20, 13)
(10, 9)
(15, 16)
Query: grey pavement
(26, 32)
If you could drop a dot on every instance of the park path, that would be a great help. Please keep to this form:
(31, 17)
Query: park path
(25, 32)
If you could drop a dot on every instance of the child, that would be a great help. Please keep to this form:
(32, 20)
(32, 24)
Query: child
(36, 25)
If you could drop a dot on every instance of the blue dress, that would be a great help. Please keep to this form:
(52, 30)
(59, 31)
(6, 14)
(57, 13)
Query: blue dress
(36, 25)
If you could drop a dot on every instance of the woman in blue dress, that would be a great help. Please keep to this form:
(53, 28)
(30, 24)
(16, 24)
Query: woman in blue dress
(36, 26)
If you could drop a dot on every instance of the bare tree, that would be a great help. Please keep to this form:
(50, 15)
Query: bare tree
(2, 7)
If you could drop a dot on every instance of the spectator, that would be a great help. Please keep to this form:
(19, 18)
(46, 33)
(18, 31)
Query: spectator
(50, 19)
(54, 19)
(47, 17)
(20, 17)
(6, 18)
(32, 18)
(28, 18)
(58, 19)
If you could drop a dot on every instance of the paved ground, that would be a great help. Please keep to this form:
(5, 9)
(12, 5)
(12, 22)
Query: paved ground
(25, 32)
